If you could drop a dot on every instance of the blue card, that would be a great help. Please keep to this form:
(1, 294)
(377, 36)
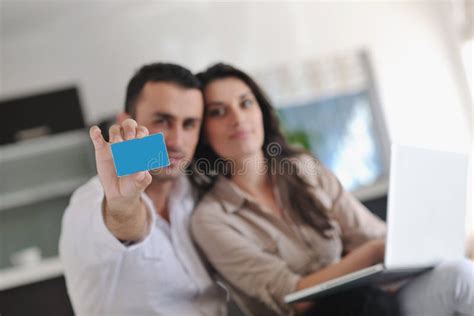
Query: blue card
(140, 154)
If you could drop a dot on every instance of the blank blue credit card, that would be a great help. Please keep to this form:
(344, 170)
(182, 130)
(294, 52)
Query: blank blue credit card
(140, 154)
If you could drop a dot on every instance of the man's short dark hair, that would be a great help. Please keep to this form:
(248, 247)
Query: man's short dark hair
(158, 72)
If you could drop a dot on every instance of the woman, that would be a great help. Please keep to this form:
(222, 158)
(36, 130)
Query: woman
(275, 221)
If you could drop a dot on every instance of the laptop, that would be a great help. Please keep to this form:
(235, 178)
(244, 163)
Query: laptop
(425, 217)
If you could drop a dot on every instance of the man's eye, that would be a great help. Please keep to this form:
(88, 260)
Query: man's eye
(190, 125)
(160, 121)
(216, 112)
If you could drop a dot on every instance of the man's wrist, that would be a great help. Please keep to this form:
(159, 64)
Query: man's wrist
(128, 224)
(121, 210)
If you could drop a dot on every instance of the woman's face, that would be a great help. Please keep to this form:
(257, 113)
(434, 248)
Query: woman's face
(233, 124)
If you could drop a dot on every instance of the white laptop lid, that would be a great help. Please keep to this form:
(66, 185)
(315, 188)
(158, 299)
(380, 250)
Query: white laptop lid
(426, 206)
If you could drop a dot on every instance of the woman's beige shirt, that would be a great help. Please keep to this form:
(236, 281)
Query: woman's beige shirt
(260, 256)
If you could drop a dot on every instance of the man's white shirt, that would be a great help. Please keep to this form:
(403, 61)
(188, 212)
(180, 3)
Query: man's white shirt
(161, 275)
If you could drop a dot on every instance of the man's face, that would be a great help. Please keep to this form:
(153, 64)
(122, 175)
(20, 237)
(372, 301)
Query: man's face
(177, 113)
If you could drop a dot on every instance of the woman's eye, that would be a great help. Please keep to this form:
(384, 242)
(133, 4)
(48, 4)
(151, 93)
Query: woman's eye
(247, 103)
(216, 112)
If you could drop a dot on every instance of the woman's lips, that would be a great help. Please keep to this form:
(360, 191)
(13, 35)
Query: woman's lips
(240, 135)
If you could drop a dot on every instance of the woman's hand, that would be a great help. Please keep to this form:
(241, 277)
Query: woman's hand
(366, 255)
(378, 248)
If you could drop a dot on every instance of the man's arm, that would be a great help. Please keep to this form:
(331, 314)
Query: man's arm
(124, 212)
(90, 253)
(128, 224)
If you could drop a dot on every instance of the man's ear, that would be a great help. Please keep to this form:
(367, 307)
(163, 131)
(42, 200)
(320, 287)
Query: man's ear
(122, 116)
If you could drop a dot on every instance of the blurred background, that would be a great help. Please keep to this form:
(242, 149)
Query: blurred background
(348, 77)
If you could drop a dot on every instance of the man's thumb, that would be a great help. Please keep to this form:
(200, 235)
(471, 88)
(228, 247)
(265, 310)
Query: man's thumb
(142, 179)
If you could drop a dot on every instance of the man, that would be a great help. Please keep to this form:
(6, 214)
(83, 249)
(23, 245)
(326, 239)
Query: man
(125, 242)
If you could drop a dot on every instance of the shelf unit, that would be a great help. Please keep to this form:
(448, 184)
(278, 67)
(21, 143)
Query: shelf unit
(37, 178)
(17, 276)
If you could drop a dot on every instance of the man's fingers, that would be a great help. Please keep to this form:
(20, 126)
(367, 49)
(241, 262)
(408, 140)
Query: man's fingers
(142, 179)
(101, 147)
(129, 127)
(103, 156)
(115, 134)
(96, 137)
(142, 131)
(134, 184)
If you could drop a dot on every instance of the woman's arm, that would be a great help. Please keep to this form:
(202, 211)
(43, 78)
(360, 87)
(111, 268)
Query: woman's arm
(358, 225)
(370, 253)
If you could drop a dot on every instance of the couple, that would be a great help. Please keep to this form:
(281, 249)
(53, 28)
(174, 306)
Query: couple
(247, 222)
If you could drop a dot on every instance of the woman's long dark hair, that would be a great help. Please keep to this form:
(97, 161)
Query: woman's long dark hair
(300, 198)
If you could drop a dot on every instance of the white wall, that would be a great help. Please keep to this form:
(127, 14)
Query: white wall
(98, 45)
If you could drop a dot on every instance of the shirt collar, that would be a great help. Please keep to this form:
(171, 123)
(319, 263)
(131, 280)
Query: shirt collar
(231, 196)
(182, 194)
(182, 189)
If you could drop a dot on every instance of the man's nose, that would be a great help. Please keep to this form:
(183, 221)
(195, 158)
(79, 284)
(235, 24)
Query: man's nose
(174, 138)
